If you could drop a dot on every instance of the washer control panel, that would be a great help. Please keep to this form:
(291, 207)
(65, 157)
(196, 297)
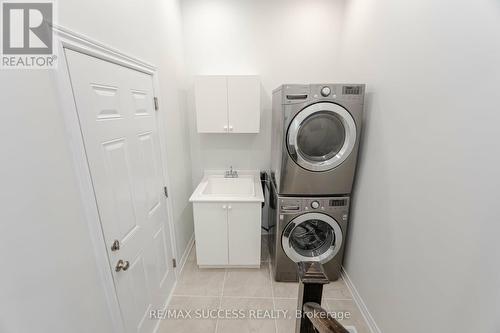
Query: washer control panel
(300, 205)
(325, 91)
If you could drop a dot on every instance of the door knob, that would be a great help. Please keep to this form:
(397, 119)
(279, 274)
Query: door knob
(122, 265)
(116, 245)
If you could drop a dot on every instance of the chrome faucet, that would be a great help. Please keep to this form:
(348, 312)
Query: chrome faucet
(231, 173)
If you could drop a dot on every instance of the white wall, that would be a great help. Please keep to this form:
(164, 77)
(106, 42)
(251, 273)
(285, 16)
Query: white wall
(283, 41)
(49, 280)
(423, 248)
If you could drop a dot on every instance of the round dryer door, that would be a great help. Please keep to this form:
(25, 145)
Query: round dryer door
(312, 237)
(321, 136)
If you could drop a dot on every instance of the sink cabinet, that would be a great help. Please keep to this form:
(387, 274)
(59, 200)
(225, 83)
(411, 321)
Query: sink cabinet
(210, 228)
(227, 233)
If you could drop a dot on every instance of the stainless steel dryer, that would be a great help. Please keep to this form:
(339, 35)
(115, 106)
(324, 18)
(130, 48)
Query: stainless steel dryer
(307, 229)
(315, 138)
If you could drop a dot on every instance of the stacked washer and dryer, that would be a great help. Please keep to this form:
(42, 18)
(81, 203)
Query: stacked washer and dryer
(316, 131)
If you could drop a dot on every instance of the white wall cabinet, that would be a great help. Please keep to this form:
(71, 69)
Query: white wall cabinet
(227, 234)
(227, 104)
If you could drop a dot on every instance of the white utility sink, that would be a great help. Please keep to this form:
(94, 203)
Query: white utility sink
(215, 187)
(241, 186)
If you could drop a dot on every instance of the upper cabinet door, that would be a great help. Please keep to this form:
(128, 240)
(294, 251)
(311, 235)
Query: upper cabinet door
(243, 94)
(211, 104)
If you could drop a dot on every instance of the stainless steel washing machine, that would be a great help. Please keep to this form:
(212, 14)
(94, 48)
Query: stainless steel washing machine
(306, 229)
(315, 138)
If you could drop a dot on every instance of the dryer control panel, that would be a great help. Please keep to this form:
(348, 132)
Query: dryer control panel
(300, 205)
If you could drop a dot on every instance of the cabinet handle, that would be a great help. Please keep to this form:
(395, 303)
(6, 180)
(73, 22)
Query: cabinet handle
(223, 206)
(225, 128)
(230, 128)
(229, 207)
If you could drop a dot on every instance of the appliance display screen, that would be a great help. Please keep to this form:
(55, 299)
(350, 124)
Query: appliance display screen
(338, 202)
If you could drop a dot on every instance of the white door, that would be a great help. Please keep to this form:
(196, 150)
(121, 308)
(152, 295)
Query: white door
(211, 104)
(243, 100)
(210, 228)
(244, 233)
(120, 131)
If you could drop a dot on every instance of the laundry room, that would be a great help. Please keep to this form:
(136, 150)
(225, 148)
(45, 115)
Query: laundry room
(271, 166)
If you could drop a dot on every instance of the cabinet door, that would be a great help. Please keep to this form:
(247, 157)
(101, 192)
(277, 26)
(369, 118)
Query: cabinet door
(210, 223)
(244, 104)
(211, 104)
(244, 221)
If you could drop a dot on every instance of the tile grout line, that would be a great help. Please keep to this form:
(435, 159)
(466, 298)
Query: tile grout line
(241, 297)
(220, 300)
(198, 296)
(272, 295)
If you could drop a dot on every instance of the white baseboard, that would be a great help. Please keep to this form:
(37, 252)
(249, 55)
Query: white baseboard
(372, 325)
(185, 255)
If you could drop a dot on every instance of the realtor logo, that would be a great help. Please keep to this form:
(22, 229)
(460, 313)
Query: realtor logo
(27, 39)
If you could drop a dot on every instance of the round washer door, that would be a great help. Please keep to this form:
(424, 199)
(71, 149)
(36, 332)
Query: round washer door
(321, 136)
(312, 237)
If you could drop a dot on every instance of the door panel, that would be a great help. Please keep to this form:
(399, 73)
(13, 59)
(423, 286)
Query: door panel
(161, 259)
(107, 98)
(211, 104)
(118, 173)
(150, 171)
(211, 233)
(134, 296)
(244, 233)
(120, 132)
(138, 285)
(243, 93)
(141, 102)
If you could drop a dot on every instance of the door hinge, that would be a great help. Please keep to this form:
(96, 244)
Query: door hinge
(165, 190)
(174, 262)
(157, 106)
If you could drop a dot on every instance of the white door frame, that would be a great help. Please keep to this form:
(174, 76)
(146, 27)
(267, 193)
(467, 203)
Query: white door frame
(67, 39)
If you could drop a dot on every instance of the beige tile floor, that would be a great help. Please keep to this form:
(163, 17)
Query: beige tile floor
(224, 290)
